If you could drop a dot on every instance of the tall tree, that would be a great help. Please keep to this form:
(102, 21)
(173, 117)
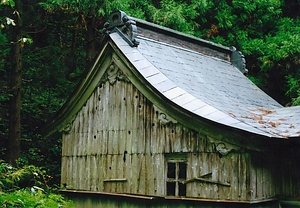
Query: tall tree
(16, 82)
(91, 16)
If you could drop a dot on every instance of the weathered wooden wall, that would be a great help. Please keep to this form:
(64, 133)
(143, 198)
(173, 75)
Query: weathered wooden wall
(275, 174)
(289, 170)
(263, 176)
(118, 142)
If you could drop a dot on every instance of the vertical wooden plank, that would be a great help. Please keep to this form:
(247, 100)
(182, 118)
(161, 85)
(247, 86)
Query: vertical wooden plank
(260, 182)
(134, 122)
(109, 174)
(154, 134)
(244, 189)
(73, 176)
(70, 173)
(80, 143)
(112, 107)
(79, 183)
(75, 138)
(85, 127)
(253, 178)
(215, 166)
(102, 169)
(91, 120)
(196, 164)
(180, 134)
(201, 142)
(140, 120)
(148, 130)
(185, 141)
(194, 142)
(160, 178)
(64, 171)
(113, 172)
(122, 143)
(128, 118)
(205, 188)
(168, 135)
(120, 118)
(110, 142)
(106, 112)
(142, 174)
(248, 176)
(233, 175)
(94, 171)
(149, 182)
(122, 105)
(86, 171)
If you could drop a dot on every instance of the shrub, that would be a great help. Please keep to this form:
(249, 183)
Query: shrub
(26, 186)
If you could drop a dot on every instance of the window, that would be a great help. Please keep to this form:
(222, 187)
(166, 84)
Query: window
(176, 177)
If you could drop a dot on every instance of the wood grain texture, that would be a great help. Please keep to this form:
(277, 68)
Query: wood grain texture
(117, 143)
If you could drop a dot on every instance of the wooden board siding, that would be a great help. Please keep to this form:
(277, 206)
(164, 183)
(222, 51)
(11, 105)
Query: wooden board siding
(289, 169)
(264, 176)
(275, 174)
(118, 141)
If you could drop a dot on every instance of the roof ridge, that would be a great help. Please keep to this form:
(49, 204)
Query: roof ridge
(180, 48)
(181, 35)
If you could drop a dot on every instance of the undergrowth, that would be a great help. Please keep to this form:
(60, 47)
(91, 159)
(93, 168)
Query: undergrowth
(26, 186)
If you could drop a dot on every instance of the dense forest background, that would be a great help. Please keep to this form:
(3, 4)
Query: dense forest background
(46, 45)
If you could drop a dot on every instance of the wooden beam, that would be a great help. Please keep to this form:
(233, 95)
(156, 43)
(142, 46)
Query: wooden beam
(115, 180)
(208, 181)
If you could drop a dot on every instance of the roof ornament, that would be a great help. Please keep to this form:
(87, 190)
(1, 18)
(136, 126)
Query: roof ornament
(126, 27)
(238, 60)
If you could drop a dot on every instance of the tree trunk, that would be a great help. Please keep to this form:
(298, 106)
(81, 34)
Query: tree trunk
(91, 35)
(16, 80)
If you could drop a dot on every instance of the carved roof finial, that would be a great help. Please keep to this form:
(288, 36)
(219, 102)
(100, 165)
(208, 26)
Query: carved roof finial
(121, 23)
(238, 60)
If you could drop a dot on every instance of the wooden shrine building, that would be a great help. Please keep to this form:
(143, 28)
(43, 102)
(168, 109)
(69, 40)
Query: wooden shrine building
(164, 119)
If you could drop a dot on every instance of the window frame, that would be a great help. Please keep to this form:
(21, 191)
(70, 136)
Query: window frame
(180, 182)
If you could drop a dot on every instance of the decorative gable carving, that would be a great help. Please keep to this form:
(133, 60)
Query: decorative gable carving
(112, 74)
(164, 118)
(222, 147)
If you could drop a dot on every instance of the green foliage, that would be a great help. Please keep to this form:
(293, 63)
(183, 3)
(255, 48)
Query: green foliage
(276, 56)
(26, 198)
(179, 15)
(12, 179)
(26, 186)
(294, 88)
(103, 7)
(7, 2)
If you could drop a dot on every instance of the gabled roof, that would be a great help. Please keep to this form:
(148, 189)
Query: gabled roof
(201, 78)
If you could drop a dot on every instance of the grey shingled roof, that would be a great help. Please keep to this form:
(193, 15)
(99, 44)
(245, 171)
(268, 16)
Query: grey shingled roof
(210, 87)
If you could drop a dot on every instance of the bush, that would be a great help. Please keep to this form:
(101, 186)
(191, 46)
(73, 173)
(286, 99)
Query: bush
(26, 186)
(33, 198)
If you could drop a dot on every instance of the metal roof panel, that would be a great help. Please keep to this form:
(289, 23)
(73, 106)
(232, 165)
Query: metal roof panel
(210, 87)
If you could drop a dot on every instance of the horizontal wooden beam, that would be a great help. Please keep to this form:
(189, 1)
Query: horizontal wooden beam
(115, 180)
(208, 181)
(159, 198)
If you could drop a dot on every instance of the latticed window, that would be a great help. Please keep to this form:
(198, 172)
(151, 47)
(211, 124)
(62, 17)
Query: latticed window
(176, 178)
